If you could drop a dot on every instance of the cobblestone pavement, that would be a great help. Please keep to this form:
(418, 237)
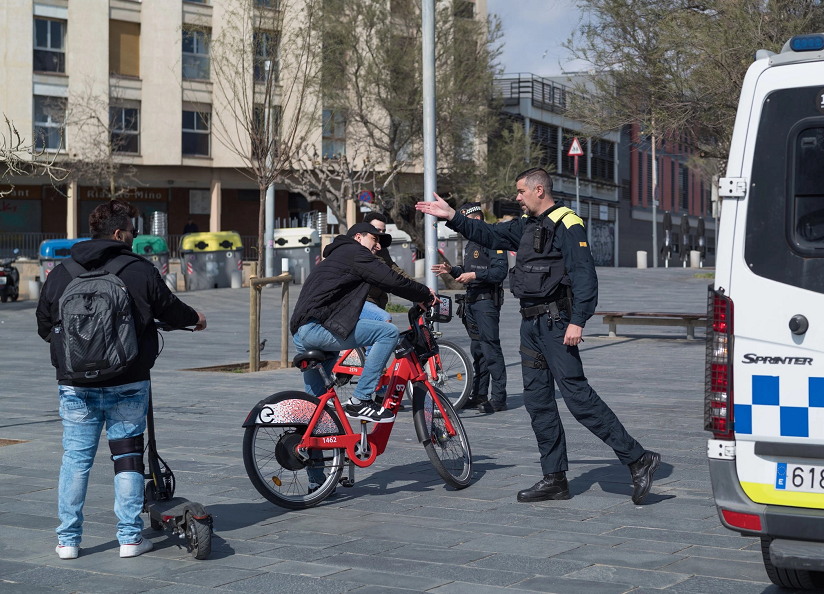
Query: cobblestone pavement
(399, 529)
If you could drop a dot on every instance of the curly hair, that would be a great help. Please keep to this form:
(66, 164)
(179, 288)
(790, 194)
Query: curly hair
(107, 218)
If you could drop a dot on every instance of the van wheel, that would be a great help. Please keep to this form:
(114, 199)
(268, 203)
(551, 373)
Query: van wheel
(789, 578)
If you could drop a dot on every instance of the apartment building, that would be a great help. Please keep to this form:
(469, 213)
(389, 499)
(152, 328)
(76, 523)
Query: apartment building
(614, 175)
(149, 64)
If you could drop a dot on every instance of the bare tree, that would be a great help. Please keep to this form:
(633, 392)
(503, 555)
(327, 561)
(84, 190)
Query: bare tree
(371, 79)
(264, 58)
(103, 131)
(19, 158)
(334, 181)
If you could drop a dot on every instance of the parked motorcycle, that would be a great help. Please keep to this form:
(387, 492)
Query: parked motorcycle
(9, 279)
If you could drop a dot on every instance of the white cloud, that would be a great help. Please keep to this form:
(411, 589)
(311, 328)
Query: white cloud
(534, 31)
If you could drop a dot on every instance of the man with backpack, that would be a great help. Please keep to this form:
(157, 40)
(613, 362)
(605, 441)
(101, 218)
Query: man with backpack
(97, 312)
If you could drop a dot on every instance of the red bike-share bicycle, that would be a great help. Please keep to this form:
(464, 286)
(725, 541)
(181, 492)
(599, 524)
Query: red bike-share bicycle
(290, 433)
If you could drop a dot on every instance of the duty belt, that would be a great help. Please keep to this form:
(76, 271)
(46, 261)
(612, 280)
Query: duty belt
(478, 297)
(553, 308)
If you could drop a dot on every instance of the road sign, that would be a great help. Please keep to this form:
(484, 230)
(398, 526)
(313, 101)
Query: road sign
(575, 149)
(365, 196)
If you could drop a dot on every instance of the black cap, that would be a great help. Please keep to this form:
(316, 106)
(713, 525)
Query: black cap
(470, 208)
(383, 238)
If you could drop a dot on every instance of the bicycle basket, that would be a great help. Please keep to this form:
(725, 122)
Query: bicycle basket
(425, 344)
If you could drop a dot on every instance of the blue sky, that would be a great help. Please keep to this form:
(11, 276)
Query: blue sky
(534, 31)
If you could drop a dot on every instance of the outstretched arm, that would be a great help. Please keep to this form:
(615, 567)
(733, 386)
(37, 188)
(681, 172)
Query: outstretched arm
(502, 236)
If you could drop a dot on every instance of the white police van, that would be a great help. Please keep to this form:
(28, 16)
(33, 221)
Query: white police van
(765, 349)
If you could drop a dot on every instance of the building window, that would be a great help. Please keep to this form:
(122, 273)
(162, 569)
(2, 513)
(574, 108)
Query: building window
(196, 133)
(463, 9)
(273, 4)
(259, 135)
(266, 49)
(125, 129)
(49, 118)
(673, 192)
(49, 45)
(334, 134)
(196, 55)
(603, 159)
(124, 48)
(547, 138)
(684, 178)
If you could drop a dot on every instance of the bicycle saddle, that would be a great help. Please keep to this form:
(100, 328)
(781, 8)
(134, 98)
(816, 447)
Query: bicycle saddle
(310, 359)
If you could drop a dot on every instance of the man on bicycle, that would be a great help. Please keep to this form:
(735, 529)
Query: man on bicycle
(327, 311)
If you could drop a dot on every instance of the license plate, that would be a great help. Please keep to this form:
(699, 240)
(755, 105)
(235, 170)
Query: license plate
(799, 477)
(2, 280)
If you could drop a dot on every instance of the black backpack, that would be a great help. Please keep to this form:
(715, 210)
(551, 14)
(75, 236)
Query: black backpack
(96, 329)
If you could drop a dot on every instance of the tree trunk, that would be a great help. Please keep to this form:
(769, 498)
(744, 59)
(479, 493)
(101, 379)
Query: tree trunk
(261, 226)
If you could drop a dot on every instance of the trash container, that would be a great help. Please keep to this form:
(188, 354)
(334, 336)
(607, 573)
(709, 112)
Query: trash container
(450, 244)
(155, 249)
(301, 246)
(210, 260)
(52, 251)
(402, 250)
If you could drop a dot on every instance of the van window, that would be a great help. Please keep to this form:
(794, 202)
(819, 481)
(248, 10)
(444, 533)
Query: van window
(808, 189)
(784, 238)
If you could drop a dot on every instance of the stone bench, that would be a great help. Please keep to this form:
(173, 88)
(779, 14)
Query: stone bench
(635, 318)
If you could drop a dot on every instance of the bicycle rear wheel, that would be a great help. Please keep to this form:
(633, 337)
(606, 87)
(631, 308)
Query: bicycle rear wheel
(279, 474)
(450, 455)
(454, 373)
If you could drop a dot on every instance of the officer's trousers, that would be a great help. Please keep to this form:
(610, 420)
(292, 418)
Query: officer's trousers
(565, 368)
(487, 357)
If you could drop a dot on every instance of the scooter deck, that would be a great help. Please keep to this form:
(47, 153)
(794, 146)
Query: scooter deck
(176, 507)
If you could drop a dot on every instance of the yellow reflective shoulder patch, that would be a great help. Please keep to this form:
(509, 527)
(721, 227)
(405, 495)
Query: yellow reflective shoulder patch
(569, 217)
(573, 219)
(500, 251)
(582, 243)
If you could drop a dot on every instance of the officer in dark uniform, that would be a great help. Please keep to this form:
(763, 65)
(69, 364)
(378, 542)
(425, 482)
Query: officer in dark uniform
(483, 271)
(554, 278)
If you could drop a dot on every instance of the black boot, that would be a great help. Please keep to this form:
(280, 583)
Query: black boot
(642, 470)
(484, 406)
(473, 401)
(552, 486)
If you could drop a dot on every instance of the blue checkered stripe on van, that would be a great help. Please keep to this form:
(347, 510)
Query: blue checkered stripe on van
(778, 414)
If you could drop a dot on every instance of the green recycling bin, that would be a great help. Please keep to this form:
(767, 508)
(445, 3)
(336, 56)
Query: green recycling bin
(211, 260)
(155, 249)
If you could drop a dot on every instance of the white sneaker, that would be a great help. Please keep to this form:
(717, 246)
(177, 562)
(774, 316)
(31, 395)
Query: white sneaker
(67, 552)
(135, 549)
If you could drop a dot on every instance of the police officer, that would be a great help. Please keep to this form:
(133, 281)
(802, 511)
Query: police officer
(554, 278)
(483, 272)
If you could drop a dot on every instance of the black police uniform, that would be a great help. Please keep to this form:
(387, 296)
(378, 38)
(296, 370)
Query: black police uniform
(553, 260)
(484, 297)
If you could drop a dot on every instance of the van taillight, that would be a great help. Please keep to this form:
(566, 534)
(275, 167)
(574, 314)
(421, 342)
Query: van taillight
(718, 385)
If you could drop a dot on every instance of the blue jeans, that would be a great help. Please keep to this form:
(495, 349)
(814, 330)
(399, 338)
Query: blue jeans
(382, 336)
(371, 311)
(84, 411)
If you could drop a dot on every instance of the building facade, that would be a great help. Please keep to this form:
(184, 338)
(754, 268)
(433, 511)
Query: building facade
(149, 65)
(614, 182)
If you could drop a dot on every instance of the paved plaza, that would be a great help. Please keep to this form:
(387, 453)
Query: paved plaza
(399, 529)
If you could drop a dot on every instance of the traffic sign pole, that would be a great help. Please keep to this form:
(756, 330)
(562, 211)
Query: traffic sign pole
(576, 151)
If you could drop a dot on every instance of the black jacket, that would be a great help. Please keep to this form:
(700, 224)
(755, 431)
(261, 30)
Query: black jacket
(151, 299)
(377, 295)
(336, 289)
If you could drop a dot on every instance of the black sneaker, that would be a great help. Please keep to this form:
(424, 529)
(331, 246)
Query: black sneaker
(642, 470)
(499, 406)
(367, 410)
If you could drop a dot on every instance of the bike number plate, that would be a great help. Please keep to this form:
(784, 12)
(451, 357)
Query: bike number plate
(799, 477)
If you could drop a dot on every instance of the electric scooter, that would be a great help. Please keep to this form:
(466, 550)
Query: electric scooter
(186, 519)
(9, 279)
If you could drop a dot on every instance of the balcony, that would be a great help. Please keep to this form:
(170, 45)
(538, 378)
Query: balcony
(544, 93)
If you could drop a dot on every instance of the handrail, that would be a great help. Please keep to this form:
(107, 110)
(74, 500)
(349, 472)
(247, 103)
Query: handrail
(255, 286)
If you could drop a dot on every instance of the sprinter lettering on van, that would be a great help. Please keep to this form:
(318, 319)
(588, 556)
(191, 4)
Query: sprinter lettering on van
(752, 358)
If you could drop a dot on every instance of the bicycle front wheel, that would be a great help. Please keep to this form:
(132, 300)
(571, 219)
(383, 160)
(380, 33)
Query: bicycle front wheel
(450, 371)
(450, 455)
(278, 473)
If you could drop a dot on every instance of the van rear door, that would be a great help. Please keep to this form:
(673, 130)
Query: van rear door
(777, 276)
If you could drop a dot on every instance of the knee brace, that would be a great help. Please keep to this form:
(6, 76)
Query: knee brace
(127, 445)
